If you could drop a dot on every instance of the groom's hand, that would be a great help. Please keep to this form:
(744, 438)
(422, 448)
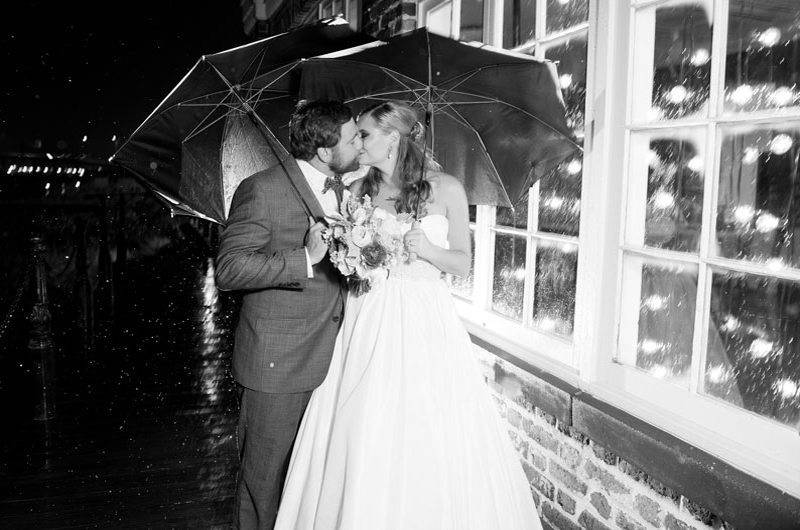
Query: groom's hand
(315, 246)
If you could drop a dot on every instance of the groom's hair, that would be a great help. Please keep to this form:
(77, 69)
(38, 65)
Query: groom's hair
(316, 124)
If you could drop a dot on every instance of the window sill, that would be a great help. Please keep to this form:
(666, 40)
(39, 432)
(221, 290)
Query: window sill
(737, 497)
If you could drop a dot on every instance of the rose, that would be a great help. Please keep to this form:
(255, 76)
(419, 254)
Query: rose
(374, 255)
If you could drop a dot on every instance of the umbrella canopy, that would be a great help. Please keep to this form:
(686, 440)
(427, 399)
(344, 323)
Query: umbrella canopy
(201, 141)
(495, 119)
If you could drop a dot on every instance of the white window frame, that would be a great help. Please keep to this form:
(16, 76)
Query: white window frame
(757, 445)
(555, 353)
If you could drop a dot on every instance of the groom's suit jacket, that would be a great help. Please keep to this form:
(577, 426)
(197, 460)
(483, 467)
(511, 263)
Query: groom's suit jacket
(288, 322)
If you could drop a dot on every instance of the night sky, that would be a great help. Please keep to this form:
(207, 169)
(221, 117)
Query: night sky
(99, 68)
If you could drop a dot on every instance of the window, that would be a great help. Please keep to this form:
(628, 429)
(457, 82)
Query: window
(525, 267)
(709, 264)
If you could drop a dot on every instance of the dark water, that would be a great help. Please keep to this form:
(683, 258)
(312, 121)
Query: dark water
(144, 408)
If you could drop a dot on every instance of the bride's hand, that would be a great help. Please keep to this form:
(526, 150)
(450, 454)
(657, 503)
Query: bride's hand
(417, 243)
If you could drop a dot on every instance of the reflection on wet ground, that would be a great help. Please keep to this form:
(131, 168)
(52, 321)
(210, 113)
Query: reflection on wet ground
(143, 426)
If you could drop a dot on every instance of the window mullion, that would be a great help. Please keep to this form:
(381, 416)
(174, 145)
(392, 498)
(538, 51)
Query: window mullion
(528, 293)
(718, 58)
(484, 256)
(540, 29)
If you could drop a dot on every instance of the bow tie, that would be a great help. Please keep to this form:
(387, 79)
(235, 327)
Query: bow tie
(334, 183)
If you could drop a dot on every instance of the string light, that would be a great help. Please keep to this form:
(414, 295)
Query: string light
(574, 167)
(555, 202)
(767, 222)
(787, 388)
(743, 213)
(700, 57)
(718, 374)
(655, 302)
(663, 200)
(695, 164)
(731, 324)
(776, 264)
(546, 324)
(751, 155)
(760, 348)
(677, 94)
(742, 94)
(770, 36)
(565, 80)
(782, 96)
(781, 144)
(650, 346)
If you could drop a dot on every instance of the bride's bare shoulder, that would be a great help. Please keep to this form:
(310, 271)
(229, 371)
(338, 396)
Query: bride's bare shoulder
(445, 186)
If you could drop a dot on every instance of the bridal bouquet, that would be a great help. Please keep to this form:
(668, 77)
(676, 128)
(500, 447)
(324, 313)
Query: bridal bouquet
(365, 242)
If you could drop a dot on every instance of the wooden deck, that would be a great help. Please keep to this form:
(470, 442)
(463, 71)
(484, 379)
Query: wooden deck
(142, 433)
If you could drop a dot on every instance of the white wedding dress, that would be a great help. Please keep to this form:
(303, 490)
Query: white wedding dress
(403, 434)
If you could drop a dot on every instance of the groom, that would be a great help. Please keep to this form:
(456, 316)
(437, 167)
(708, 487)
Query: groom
(272, 249)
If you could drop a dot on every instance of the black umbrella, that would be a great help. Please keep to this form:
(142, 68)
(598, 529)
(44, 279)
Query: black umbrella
(204, 138)
(495, 119)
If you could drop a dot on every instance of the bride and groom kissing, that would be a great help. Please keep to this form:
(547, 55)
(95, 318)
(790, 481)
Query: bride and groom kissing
(360, 411)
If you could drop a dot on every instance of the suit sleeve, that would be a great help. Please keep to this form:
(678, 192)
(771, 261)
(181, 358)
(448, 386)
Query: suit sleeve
(241, 261)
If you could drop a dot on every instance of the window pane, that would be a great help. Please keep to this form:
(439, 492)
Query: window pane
(563, 14)
(753, 358)
(672, 61)
(327, 9)
(338, 7)
(517, 218)
(672, 201)
(509, 275)
(473, 213)
(758, 212)
(570, 60)
(762, 65)
(665, 299)
(560, 199)
(519, 22)
(463, 286)
(554, 299)
(472, 20)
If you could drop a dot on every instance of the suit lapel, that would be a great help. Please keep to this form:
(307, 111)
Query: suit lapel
(298, 180)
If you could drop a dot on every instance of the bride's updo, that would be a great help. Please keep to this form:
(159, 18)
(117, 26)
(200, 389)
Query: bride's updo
(412, 158)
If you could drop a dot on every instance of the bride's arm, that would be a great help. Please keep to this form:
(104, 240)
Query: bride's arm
(457, 259)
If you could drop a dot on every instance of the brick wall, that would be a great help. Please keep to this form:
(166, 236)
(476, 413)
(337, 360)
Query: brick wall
(575, 482)
(385, 18)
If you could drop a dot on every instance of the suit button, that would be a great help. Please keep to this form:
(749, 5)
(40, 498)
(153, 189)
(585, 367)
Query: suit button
(335, 319)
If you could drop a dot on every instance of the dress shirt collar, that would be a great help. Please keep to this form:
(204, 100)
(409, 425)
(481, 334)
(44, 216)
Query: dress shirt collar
(314, 176)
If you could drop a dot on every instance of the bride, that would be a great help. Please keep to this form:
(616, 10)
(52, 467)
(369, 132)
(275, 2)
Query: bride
(403, 434)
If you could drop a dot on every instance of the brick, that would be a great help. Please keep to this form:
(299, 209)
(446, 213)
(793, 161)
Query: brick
(578, 436)
(632, 471)
(514, 418)
(627, 524)
(609, 483)
(590, 522)
(663, 490)
(540, 436)
(570, 455)
(673, 523)
(549, 418)
(538, 481)
(605, 455)
(567, 478)
(698, 512)
(539, 460)
(537, 499)
(649, 510)
(566, 502)
(600, 503)
(519, 443)
(558, 519)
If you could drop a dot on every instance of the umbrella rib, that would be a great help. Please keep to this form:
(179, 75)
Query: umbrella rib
(382, 95)
(197, 130)
(255, 99)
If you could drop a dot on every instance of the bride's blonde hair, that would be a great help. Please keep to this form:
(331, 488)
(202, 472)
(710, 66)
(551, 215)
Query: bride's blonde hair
(413, 160)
